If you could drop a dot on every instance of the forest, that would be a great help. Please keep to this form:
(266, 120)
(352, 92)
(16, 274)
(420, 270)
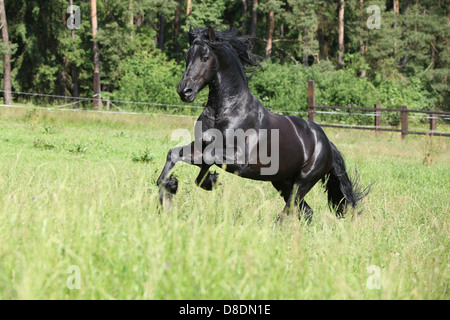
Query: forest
(359, 52)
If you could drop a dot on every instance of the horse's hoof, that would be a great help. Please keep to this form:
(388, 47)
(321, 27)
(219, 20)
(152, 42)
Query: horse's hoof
(166, 201)
(307, 215)
(171, 185)
(209, 182)
(167, 190)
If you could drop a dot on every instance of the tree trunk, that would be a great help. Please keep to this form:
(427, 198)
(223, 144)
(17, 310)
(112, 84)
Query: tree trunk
(162, 22)
(177, 32)
(304, 53)
(305, 60)
(341, 47)
(74, 70)
(432, 53)
(7, 94)
(188, 8)
(361, 35)
(270, 30)
(254, 19)
(96, 101)
(243, 13)
(63, 76)
(75, 92)
(403, 37)
(323, 42)
(396, 8)
(396, 13)
(65, 63)
(448, 12)
(131, 17)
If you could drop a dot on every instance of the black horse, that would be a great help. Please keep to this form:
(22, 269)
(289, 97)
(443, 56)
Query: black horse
(303, 153)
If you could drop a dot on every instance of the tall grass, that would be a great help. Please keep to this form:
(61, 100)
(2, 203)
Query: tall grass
(97, 210)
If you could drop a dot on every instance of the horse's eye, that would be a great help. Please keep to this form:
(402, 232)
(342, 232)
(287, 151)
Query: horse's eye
(205, 58)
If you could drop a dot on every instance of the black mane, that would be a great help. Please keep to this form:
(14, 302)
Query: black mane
(242, 45)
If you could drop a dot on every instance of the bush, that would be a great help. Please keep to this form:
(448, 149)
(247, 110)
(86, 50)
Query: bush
(149, 77)
(285, 88)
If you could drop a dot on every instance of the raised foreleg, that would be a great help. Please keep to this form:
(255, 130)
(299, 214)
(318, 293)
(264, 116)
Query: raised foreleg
(168, 184)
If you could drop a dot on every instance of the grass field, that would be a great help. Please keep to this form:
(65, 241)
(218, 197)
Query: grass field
(73, 194)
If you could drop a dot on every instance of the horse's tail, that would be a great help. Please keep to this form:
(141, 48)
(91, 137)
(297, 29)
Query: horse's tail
(341, 190)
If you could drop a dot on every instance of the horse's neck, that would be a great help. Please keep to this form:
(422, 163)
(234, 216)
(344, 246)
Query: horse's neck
(228, 95)
(229, 89)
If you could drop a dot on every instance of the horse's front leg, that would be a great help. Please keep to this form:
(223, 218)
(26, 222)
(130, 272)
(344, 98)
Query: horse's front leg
(205, 179)
(168, 184)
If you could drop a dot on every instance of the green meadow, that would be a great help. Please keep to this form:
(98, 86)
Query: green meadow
(79, 218)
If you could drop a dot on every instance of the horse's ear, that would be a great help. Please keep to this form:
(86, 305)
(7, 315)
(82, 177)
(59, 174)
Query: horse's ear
(211, 34)
(191, 35)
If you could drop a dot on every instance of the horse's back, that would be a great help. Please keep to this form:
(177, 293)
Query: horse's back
(301, 142)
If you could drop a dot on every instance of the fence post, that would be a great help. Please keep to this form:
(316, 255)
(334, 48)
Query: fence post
(377, 118)
(432, 123)
(404, 121)
(311, 100)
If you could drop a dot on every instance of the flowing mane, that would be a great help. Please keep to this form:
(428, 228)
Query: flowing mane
(242, 46)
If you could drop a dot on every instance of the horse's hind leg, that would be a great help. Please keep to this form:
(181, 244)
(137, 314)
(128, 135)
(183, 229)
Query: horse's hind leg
(285, 188)
(307, 211)
(303, 188)
(205, 179)
(293, 194)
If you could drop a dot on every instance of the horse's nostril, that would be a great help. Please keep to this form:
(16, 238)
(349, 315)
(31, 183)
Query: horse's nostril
(187, 91)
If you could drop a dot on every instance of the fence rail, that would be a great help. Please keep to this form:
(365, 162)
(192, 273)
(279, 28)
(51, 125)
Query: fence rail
(377, 113)
(313, 109)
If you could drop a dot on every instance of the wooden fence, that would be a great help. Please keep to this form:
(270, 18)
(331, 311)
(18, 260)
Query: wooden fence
(377, 127)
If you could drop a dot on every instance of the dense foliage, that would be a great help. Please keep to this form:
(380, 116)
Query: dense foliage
(142, 43)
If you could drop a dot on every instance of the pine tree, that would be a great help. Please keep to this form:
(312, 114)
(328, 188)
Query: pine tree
(302, 21)
(272, 8)
(254, 19)
(7, 94)
(341, 46)
(96, 52)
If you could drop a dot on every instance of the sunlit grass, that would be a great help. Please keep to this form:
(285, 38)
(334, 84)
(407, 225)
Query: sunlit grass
(97, 209)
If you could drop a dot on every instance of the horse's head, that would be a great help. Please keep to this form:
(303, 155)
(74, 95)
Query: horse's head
(201, 65)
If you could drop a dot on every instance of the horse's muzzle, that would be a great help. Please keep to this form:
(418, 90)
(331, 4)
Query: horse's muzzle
(186, 92)
(188, 95)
